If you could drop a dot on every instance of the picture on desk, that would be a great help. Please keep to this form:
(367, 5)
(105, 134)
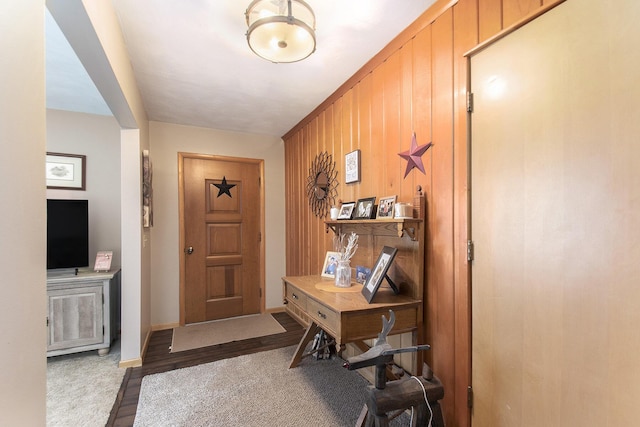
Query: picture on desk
(330, 264)
(362, 273)
(380, 269)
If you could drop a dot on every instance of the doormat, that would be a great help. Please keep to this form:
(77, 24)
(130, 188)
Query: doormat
(222, 331)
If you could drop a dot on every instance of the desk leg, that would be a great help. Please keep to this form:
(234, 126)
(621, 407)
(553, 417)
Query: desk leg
(306, 338)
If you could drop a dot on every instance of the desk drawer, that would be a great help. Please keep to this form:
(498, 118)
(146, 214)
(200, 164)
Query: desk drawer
(324, 316)
(295, 296)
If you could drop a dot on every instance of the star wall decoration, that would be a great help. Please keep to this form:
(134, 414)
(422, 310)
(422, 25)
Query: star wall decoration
(414, 155)
(224, 187)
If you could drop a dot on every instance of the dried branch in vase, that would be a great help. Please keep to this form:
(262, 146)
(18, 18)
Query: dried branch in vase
(350, 249)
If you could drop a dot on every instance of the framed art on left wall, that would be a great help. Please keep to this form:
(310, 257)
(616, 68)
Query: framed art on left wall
(66, 171)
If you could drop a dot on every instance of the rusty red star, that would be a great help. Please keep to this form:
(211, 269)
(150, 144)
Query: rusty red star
(414, 155)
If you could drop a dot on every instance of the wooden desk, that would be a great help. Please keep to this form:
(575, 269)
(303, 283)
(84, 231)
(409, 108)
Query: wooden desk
(345, 315)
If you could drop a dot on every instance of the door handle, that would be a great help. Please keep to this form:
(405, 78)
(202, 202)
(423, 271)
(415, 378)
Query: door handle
(189, 250)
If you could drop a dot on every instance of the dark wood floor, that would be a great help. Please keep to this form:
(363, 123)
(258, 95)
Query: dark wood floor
(158, 359)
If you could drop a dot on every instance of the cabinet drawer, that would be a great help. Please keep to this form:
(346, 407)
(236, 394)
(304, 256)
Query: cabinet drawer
(296, 297)
(324, 316)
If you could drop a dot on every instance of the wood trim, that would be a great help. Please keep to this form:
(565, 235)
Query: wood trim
(430, 15)
(510, 29)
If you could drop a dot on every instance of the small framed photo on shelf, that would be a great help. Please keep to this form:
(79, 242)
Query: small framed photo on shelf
(385, 207)
(346, 209)
(330, 264)
(380, 273)
(103, 261)
(65, 171)
(362, 273)
(364, 208)
(352, 167)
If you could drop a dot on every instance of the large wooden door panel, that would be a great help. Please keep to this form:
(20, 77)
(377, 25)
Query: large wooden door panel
(222, 224)
(555, 196)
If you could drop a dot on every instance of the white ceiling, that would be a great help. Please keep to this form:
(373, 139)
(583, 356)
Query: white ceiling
(193, 65)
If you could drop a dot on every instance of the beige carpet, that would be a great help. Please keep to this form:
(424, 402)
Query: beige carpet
(222, 331)
(82, 387)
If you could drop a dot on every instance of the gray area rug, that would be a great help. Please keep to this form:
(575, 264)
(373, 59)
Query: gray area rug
(255, 390)
(82, 387)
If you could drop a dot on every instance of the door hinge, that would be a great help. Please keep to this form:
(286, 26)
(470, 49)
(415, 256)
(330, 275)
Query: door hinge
(259, 236)
(470, 250)
(469, 102)
(47, 321)
(469, 397)
(260, 292)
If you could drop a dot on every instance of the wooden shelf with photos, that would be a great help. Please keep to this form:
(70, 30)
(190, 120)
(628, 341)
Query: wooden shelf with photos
(379, 227)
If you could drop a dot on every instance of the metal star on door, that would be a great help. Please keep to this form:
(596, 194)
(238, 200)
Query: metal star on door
(224, 187)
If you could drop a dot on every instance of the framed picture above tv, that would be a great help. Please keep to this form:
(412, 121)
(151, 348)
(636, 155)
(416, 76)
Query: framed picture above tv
(66, 171)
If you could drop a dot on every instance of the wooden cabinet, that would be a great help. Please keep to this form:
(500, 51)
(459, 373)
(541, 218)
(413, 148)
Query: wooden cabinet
(83, 311)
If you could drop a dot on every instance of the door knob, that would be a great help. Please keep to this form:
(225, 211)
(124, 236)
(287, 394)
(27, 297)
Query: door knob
(189, 250)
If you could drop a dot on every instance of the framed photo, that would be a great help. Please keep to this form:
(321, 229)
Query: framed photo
(346, 209)
(352, 167)
(330, 264)
(147, 190)
(362, 273)
(385, 207)
(65, 171)
(379, 272)
(364, 208)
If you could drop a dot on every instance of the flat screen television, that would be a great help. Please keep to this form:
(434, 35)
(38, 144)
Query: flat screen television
(67, 233)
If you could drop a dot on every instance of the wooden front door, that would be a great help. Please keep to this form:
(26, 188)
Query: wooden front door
(221, 214)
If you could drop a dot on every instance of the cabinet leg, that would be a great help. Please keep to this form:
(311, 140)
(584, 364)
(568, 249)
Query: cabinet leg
(103, 351)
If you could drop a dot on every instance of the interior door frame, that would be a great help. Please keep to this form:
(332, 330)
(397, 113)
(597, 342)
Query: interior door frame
(182, 232)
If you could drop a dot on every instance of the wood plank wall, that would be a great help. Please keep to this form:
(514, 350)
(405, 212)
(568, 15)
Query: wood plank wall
(418, 83)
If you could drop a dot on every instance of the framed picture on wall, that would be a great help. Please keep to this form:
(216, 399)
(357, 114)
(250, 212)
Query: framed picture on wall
(65, 171)
(352, 167)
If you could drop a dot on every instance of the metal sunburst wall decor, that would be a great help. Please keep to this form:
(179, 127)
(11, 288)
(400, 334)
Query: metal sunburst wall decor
(321, 184)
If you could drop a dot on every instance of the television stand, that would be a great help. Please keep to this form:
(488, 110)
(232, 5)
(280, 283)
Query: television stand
(83, 311)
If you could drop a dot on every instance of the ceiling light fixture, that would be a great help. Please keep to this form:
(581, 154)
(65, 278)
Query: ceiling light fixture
(281, 30)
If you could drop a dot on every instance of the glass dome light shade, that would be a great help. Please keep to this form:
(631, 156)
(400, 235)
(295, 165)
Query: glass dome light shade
(281, 31)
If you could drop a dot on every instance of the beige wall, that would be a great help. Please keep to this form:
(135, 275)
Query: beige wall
(98, 138)
(166, 141)
(92, 29)
(22, 221)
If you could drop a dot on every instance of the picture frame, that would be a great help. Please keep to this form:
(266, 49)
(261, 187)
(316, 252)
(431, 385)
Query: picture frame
(65, 171)
(365, 208)
(330, 264)
(352, 167)
(362, 274)
(346, 209)
(147, 190)
(379, 273)
(103, 261)
(385, 207)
